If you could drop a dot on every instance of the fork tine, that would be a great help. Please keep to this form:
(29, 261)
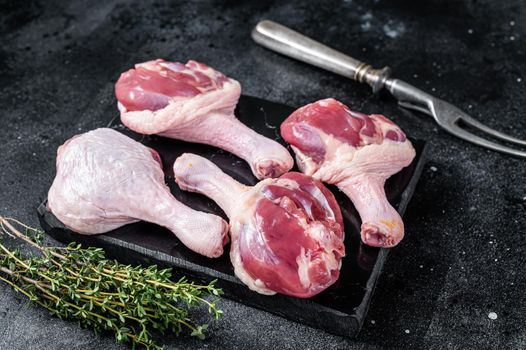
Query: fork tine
(497, 134)
(447, 116)
(414, 106)
(466, 135)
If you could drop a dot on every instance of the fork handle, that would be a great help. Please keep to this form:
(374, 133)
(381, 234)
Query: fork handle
(290, 43)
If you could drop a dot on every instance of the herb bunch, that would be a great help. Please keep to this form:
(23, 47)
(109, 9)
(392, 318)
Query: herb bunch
(103, 295)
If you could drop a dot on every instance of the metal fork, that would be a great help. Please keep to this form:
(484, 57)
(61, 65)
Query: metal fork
(293, 44)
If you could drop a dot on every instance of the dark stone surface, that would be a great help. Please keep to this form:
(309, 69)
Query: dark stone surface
(465, 253)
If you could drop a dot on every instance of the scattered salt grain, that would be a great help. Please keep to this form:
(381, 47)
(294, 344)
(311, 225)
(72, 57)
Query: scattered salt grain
(415, 75)
(393, 29)
(519, 80)
(512, 23)
(512, 38)
(421, 266)
(407, 331)
(492, 316)
(470, 31)
(433, 168)
(373, 321)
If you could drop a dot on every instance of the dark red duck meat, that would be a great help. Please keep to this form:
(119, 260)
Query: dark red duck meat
(195, 103)
(357, 153)
(286, 233)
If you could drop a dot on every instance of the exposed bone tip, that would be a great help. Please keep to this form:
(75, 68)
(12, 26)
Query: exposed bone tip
(218, 250)
(374, 236)
(269, 168)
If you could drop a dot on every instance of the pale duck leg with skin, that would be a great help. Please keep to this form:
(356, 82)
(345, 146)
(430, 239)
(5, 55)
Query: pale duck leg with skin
(106, 180)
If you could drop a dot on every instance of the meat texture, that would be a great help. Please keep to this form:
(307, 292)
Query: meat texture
(106, 180)
(286, 233)
(357, 153)
(195, 103)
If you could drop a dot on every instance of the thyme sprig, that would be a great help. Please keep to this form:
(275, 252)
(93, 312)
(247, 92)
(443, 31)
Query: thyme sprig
(103, 295)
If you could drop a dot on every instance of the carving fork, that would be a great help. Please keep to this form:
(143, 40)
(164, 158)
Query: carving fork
(293, 44)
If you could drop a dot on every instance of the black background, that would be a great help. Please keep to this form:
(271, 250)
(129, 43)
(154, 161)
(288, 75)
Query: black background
(465, 253)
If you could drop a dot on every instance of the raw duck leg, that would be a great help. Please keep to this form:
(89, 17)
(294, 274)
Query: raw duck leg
(106, 180)
(195, 103)
(286, 233)
(357, 153)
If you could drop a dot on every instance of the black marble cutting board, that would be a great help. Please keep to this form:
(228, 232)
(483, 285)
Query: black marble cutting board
(340, 309)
